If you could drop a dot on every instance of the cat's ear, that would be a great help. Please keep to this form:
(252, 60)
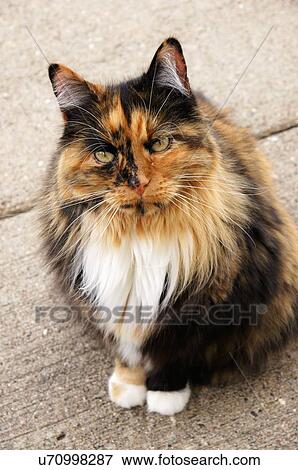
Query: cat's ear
(168, 67)
(71, 90)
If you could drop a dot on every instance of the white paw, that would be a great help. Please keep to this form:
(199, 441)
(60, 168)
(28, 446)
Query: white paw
(168, 403)
(125, 394)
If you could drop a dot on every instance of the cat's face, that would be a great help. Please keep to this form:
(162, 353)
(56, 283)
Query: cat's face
(133, 146)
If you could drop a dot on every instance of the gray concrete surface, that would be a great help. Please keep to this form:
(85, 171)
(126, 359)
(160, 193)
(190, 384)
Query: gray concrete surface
(53, 375)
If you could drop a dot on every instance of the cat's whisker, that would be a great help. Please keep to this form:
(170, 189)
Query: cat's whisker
(84, 200)
(87, 127)
(218, 179)
(180, 206)
(222, 191)
(77, 243)
(142, 99)
(226, 216)
(75, 141)
(94, 146)
(195, 209)
(91, 114)
(86, 150)
(72, 223)
(169, 126)
(83, 242)
(65, 192)
(89, 150)
(152, 86)
(102, 216)
(85, 236)
(63, 196)
(162, 105)
(76, 202)
(244, 191)
(67, 144)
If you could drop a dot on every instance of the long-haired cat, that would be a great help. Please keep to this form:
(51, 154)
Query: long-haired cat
(160, 214)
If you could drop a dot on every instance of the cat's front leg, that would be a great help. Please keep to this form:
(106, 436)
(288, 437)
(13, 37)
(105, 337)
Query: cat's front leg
(127, 385)
(168, 390)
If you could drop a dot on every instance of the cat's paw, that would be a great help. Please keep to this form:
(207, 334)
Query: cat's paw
(125, 394)
(168, 403)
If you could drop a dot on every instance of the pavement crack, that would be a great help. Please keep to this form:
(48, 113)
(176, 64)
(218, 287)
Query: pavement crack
(276, 130)
(22, 209)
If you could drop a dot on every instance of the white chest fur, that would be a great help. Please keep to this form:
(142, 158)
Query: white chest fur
(127, 280)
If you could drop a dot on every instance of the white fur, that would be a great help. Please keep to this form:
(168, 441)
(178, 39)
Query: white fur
(168, 403)
(168, 75)
(129, 353)
(70, 92)
(130, 395)
(129, 279)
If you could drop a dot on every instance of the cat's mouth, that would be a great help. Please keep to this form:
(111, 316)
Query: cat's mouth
(143, 207)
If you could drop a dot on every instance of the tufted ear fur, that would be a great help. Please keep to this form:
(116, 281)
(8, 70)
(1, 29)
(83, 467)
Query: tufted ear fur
(168, 67)
(70, 89)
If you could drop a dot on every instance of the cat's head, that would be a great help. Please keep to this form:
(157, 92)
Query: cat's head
(137, 146)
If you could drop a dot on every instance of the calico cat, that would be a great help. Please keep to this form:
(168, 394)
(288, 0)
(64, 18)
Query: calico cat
(160, 214)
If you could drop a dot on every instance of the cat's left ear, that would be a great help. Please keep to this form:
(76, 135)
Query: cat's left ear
(168, 67)
(71, 90)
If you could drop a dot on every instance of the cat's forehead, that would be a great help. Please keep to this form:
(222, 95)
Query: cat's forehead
(126, 117)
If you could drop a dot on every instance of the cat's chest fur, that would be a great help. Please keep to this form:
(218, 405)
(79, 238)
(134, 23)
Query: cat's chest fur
(127, 280)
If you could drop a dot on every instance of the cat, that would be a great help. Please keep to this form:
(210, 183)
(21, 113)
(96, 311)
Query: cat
(159, 213)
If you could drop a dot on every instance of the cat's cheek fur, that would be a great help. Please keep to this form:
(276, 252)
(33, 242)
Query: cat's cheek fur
(168, 403)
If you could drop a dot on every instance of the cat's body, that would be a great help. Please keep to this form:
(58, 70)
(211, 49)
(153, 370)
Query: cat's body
(161, 214)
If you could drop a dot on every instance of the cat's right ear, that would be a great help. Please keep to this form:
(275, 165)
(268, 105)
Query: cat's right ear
(71, 90)
(168, 67)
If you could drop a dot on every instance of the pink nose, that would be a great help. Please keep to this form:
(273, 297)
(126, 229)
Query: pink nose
(143, 183)
(140, 189)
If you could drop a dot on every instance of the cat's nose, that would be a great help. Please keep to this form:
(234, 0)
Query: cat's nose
(143, 182)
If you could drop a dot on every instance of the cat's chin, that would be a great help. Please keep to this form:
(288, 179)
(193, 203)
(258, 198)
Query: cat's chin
(143, 208)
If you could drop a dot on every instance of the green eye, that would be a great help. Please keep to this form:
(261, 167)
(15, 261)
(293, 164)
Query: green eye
(159, 145)
(103, 156)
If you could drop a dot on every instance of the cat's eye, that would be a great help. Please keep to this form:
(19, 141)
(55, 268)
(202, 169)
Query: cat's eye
(160, 145)
(103, 156)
